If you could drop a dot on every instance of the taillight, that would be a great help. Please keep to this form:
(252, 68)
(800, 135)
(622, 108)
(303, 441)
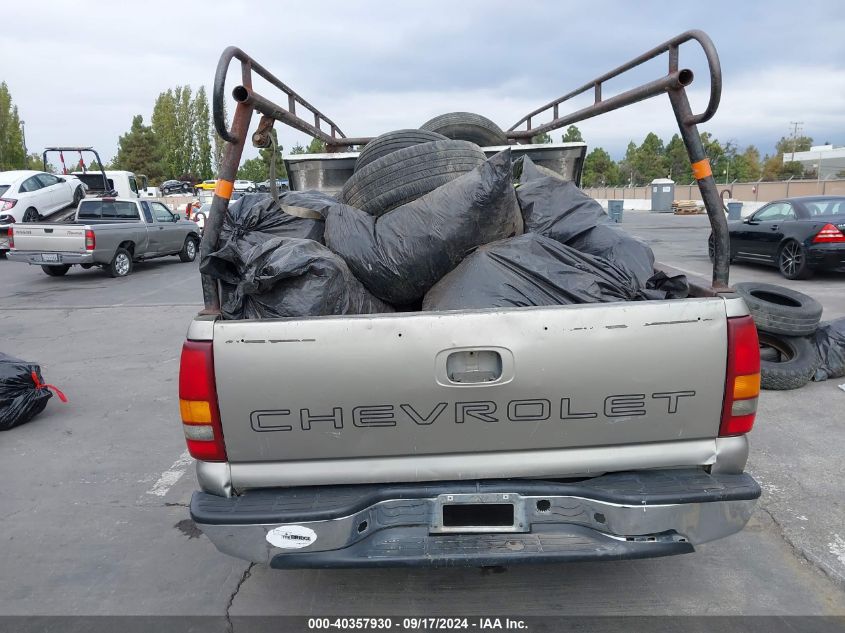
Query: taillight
(5, 204)
(198, 403)
(742, 384)
(90, 240)
(829, 233)
(11, 237)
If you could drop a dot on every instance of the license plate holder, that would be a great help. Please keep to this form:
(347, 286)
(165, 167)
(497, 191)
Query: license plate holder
(51, 257)
(499, 504)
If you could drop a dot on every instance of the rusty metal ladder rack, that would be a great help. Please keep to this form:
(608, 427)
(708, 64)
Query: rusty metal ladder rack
(674, 84)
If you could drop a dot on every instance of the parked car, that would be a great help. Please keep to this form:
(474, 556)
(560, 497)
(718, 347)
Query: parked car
(797, 235)
(205, 185)
(281, 184)
(25, 195)
(175, 186)
(112, 233)
(244, 185)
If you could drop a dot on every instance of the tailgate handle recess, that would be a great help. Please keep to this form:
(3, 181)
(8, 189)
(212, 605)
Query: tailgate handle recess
(48, 230)
(474, 366)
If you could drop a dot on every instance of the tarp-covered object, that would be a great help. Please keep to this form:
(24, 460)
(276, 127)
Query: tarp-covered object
(255, 218)
(402, 254)
(530, 270)
(292, 277)
(22, 396)
(558, 209)
(830, 345)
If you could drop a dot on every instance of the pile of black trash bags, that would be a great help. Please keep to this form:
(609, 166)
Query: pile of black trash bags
(23, 394)
(501, 234)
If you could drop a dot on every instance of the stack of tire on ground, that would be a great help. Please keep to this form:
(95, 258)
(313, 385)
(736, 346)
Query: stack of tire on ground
(399, 167)
(786, 321)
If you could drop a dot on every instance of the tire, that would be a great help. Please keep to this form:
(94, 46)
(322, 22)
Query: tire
(798, 361)
(792, 261)
(407, 174)
(121, 263)
(466, 126)
(56, 271)
(186, 189)
(3, 254)
(86, 266)
(189, 250)
(394, 141)
(30, 215)
(769, 354)
(779, 310)
(77, 197)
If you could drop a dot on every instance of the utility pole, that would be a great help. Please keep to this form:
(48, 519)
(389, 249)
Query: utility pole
(796, 127)
(23, 134)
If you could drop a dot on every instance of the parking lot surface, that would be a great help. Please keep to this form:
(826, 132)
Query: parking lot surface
(94, 495)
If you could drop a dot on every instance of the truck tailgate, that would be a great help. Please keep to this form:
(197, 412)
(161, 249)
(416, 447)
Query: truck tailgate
(514, 381)
(54, 238)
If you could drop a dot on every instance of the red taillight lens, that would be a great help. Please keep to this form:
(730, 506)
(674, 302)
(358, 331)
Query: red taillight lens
(90, 240)
(11, 237)
(829, 233)
(5, 205)
(742, 383)
(198, 403)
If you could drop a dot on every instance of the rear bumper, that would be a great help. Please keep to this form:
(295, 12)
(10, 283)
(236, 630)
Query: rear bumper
(615, 516)
(827, 257)
(34, 258)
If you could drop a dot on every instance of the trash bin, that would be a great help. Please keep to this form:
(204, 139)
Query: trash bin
(614, 210)
(662, 195)
(734, 210)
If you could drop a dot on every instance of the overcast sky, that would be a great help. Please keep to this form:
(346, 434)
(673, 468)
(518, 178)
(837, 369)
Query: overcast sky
(79, 71)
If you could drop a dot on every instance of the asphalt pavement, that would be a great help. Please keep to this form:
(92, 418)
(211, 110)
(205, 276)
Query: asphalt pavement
(93, 516)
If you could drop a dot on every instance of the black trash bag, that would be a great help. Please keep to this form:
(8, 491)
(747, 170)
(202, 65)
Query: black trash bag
(402, 254)
(610, 242)
(829, 341)
(21, 396)
(662, 286)
(292, 277)
(255, 218)
(530, 270)
(555, 207)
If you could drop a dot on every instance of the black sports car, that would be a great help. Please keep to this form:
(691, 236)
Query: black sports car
(175, 186)
(798, 235)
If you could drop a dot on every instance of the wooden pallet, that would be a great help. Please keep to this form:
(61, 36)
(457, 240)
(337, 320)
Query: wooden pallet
(687, 207)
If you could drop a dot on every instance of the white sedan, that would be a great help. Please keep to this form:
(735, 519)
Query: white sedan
(27, 195)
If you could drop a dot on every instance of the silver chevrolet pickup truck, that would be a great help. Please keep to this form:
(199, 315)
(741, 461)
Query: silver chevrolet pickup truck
(112, 233)
(486, 437)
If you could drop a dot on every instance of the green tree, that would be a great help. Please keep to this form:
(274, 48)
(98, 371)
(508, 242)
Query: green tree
(791, 169)
(316, 146)
(628, 167)
(771, 168)
(12, 153)
(677, 161)
(186, 149)
(747, 165)
(138, 150)
(572, 135)
(600, 170)
(649, 160)
(298, 149)
(539, 139)
(165, 129)
(789, 144)
(253, 169)
(202, 136)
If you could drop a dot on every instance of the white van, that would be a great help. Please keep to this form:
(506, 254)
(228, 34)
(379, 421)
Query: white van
(125, 183)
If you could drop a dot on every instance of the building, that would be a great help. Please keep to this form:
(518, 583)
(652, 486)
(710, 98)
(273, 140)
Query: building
(827, 160)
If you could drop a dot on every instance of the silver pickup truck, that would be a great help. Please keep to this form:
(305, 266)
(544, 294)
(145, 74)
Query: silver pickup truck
(112, 233)
(486, 437)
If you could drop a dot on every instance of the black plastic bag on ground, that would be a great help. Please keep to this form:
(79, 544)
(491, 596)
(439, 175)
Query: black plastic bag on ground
(402, 254)
(829, 341)
(555, 207)
(530, 270)
(255, 218)
(21, 396)
(291, 277)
